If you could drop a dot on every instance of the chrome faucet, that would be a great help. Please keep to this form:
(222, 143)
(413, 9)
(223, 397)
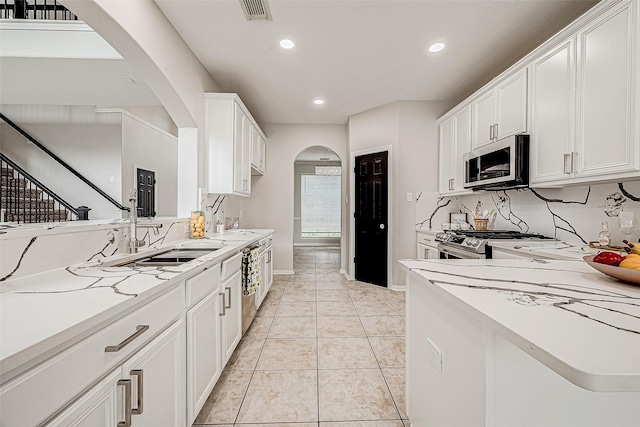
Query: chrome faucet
(134, 242)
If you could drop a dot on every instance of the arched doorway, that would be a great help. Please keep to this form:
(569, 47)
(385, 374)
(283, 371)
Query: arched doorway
(317, 201)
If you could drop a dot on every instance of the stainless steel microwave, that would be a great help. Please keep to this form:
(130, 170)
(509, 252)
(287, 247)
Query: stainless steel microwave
(501, 165)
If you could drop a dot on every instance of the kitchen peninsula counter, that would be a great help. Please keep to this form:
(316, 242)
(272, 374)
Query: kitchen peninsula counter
(555, 340)
(42, 314)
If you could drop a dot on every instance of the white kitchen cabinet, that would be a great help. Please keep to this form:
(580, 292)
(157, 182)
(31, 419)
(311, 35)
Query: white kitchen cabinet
(266, 269)
(98, 407)
(501, 110)
(553, 112)
(579, 135)
(607, 107)
(230, 316)
(258, 152)
(427, 247)
(204, 364)
(157, 380)
(455, 140)
(229, 129)
(147, 390)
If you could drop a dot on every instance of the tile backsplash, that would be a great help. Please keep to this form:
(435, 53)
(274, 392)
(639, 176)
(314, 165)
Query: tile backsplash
(572, 214)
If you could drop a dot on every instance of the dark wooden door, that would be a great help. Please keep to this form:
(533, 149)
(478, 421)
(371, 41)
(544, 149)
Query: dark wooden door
(146, 193)
(371, 218)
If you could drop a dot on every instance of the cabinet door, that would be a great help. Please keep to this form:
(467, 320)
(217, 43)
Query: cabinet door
(203, 352)
(269, 269)
(238, 149)
(607, 94)
(552, 118)
(157, 374)
(462, 138)
(247, 133)
(422, 251)
(511, 105)
(231, 319)
(484, 117)
(446, 156)
(96, 408)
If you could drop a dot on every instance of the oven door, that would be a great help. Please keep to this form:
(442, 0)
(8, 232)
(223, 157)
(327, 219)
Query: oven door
(449, 252)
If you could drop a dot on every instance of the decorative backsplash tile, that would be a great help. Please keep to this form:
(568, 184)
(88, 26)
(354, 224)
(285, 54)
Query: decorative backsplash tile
(572, 214)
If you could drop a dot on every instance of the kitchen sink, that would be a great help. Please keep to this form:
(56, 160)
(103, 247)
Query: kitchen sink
(168, 258)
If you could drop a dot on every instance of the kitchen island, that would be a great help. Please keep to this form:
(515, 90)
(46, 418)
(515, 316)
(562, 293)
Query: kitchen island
(520, 342)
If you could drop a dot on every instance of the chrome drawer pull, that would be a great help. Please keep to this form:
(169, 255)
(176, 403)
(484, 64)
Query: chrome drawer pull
(127, 403)
(115, 348)
(224, 306)
(138, 373)
(229, 306)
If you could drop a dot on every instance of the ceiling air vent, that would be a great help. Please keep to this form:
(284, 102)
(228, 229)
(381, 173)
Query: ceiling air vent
(256, 10)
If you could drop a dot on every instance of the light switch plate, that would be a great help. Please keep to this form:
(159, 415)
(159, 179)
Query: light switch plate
(409, 197)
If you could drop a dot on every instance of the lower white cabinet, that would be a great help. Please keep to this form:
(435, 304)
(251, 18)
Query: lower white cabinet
(147, 390)
(266, 271)
(230, 316)
(203, 359)
(426, 247)
(98, 407)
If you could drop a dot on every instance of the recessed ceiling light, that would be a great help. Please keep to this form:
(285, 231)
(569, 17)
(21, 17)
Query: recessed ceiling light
(287, 44)
(436, 47)
(318, 101)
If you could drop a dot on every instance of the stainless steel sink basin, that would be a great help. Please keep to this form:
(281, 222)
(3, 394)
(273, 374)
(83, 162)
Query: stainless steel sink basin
(168, 258)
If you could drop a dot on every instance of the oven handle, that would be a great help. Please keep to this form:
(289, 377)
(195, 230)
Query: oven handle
(459, 253)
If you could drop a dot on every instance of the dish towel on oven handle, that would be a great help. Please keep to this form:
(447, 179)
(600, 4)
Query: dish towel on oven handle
(250, 270)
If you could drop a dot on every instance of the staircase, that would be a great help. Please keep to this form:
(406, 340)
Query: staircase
(22, 201)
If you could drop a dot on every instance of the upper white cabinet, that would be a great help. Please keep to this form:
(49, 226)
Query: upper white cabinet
(455, 140)
(590, 132)
(607, 82)
(553, 112)
(230, 136)
(501, 110)
(258, 153)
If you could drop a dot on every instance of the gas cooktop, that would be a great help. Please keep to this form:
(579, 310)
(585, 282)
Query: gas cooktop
(476, 241)
(499, 234)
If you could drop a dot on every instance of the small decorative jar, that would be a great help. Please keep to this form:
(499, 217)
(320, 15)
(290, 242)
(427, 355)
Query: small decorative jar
(196, 230)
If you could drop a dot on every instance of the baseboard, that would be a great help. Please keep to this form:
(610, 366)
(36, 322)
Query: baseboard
(398, 288)
(345, 274)
(316, 245)
(283, 272)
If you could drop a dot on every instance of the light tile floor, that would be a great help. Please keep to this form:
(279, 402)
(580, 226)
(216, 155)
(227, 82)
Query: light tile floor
(321, 352)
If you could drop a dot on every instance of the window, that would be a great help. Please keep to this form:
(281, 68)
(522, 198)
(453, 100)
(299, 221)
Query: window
(320, 210)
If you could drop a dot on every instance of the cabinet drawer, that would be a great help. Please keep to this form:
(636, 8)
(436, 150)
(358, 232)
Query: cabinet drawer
(39, 392)
(230, 266)
(201, 284)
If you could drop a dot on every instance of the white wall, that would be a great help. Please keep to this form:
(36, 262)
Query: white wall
(271, 203)
(147, 147)
(410, 128)
(88, 142)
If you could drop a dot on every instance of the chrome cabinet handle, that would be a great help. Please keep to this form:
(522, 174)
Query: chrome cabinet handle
(127, 403)
(269, 259)
(495, 131)
(139, 408)
(224, 309)
(574, 158)
(567, 163)
(140, 329)
(229, 306)
(491, 132)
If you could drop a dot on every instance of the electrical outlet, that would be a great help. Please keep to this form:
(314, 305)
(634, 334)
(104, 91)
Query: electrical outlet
(409, 197)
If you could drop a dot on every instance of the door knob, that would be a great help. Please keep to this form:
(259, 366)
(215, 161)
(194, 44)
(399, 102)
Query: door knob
(381, 226)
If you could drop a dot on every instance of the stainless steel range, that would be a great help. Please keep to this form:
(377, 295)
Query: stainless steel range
(469, 244)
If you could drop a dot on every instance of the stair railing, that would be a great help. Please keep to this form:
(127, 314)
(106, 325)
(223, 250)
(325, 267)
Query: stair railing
(37, 9)
(25, 199)
(63, 163)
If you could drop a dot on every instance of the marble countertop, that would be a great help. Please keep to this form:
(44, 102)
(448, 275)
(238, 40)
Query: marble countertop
(41, 314)
(580, 323)
(551, 249)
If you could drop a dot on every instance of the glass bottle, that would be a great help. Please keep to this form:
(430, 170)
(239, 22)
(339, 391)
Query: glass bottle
(604, 237)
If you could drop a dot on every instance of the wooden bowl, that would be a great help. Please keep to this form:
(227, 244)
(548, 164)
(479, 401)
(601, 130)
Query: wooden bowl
(627, 275)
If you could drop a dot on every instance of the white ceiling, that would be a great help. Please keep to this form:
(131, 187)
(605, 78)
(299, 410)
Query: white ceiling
(360, 54)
